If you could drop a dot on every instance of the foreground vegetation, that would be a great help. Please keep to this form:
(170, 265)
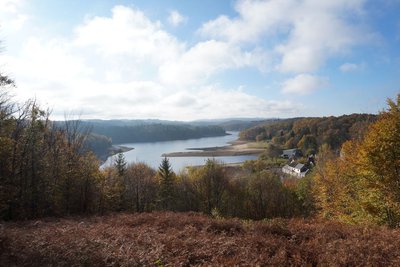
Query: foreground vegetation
(185, 239)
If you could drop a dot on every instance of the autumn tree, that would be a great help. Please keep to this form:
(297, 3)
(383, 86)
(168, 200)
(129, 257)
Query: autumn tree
(210, 183)
(140, 188)
(273, 151)
(363, 184)
(380, 152)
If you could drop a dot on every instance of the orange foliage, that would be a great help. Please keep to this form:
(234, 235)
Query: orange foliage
(183, 239)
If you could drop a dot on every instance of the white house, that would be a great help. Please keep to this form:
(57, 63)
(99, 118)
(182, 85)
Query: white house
(295, 169)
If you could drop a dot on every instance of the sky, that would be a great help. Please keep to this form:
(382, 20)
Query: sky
(190, 60)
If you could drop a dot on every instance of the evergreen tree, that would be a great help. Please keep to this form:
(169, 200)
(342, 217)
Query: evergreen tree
(167, 183)
(120, 164)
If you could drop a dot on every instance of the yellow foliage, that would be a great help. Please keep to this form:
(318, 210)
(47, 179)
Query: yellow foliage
(363, 184)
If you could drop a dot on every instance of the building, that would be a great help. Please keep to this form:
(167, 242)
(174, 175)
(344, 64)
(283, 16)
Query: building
(291, 153)
(295, 169)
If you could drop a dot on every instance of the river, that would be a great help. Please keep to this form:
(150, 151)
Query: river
(151, 152)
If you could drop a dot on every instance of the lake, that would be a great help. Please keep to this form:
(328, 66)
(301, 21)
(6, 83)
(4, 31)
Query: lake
(151, 152)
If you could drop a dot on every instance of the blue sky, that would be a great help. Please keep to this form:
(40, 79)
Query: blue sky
(187, 60)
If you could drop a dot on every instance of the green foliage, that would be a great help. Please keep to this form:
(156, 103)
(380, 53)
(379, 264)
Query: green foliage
(305, 196)
(167, 185)
(120, 164)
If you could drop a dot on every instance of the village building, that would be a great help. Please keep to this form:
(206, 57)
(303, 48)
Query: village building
(295, 169)
(291, 153)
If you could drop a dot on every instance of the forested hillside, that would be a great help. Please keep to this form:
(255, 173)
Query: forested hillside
(237, 124)
(309, 134)
(100, 145)
(156, 132)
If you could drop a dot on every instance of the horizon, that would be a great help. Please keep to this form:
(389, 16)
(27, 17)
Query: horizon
(178, 61)
(249, 119)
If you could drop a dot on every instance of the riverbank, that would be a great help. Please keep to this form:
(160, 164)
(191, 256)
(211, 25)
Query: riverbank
(114, 150)
(235, 148)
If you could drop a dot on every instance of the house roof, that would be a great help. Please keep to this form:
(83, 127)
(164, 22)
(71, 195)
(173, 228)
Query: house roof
(299, 166)
(295, 165)
(289, 151)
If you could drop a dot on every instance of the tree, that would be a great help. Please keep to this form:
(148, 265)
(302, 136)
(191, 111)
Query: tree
(273, 151)
(120, 164)
(363, 184)
(266, 195)
(140, 188)
(210, 182)
(381, 159)
(167, 184)
(308, 144)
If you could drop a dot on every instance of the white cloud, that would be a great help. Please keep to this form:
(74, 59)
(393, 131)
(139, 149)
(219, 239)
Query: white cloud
(11, 6)
(304, 84)
(129, 33)
(12, 15)
(175, 18)
(304, 34)
(350, 67)
(213, 102)
(127, 66)
(204, 59)
(255, 19)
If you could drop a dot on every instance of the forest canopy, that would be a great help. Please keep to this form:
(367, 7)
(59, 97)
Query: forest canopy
(309, 134)
(156, 132)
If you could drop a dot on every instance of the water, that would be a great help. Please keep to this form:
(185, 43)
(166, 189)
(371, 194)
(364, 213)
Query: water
(150, 153)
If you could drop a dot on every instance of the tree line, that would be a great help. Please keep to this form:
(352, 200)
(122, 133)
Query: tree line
(249, 192)
(155, 132)
(308, 134)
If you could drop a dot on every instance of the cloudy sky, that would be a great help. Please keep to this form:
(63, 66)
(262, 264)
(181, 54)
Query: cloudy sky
(187, 60)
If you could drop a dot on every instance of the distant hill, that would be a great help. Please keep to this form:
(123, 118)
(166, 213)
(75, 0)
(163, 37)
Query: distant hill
(234, 124)
(310, 133)
(229, 124)
(126, 122)
(155, 132)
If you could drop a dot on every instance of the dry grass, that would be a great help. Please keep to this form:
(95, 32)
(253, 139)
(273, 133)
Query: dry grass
(184, 239)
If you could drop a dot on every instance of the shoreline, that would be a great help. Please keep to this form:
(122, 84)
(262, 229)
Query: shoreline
(115, 149)
(235, 148)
